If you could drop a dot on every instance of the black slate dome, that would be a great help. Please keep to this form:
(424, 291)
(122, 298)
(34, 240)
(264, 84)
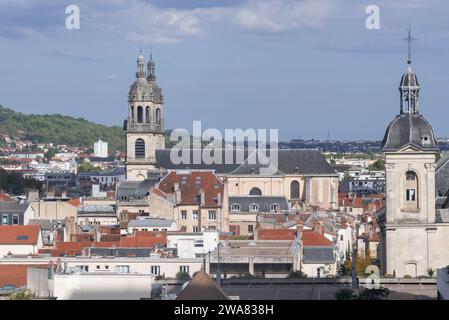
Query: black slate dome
(409, 129)
(409, 79)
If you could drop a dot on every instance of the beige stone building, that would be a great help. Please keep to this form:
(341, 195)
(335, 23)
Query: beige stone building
(144, 125)
(192, 198)
(412, 230)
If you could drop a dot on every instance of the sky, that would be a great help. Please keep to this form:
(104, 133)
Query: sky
(305, 67)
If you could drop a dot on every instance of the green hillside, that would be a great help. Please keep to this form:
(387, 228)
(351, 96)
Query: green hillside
(59, 129)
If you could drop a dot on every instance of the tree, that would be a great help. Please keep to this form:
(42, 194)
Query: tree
(374, 294)
(362, 261)
(21, 294)
(377, 165)
(50, 154)
(87, 167)
(345, 294)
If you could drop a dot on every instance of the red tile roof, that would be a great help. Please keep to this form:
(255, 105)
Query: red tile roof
(313, 238)
(142, 242)
(5, 197)
(74, 202)
(19, 234)
(277, 234)
(159, 193)
(190, 185)
(16, 275)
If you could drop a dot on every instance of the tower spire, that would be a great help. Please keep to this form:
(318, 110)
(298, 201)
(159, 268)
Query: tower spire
(151, 67)
(409, 86)
(409, 40)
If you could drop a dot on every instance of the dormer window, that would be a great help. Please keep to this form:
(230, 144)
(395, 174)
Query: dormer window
(425, 140)
(253, 207)
(235, 207)
(274, 207)
(253, 171)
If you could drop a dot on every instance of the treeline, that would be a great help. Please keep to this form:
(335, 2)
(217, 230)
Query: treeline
(59, 129)
(14, 183)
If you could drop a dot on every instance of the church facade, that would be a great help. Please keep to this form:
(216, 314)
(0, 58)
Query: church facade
(414, 231)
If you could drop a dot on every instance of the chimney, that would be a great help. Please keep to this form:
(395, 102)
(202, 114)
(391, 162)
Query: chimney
(318, 227)
(219, 199)
(202, 197)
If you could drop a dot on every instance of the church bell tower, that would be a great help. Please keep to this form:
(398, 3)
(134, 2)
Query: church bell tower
(144, 126)
(410, 148)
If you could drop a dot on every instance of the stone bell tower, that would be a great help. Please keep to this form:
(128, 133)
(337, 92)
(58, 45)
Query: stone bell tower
(144, 127)
(408, 225)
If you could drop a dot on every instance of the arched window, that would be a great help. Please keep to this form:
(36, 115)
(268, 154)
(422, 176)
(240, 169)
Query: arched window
(253, 207)
(140, 149)
(411, 190)
(132, 113)
(158, 116)
(255, 192)
(139, 114)
(147, 115)
(235, 207)
(294, 190)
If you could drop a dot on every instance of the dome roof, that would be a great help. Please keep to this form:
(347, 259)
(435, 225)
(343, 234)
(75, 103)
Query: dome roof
(409, 79)
(139, 87)
(409, 129)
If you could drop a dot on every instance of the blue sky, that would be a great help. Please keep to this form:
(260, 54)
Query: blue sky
(304, 67)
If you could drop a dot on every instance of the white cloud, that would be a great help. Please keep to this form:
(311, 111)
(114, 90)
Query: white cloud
(283, 15)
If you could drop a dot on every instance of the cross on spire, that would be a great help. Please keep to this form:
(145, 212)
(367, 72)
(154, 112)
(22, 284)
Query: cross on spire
(409, 40)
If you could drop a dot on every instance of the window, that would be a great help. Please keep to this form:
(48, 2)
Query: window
(212, 228)
(158, 116)
(411, 190)
(255, 192)
(250, 228)
(139, 114)
(195, 229)
(183, 214)
(156, 270)
(410, 195)
(212, 215)
(5, 219)
(410, 176)
(195, 215)
(106, 267)
(97, 267)
(185, 269)
(235, 207)
(253, 207)
(140, 149)
(147, 115)
(15, 219)
(274, 207)
(132, 113)
(294, 190)
(122, 269)
(341, 237)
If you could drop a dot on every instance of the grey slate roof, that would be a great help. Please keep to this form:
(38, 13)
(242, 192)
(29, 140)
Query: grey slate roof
(136, 189)
(150, 223)
(290, 161)
(409, 130)
(318, 255)
(121, 252)
(409, 79)
(264, 202)
(13, 207)
(442, 176)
